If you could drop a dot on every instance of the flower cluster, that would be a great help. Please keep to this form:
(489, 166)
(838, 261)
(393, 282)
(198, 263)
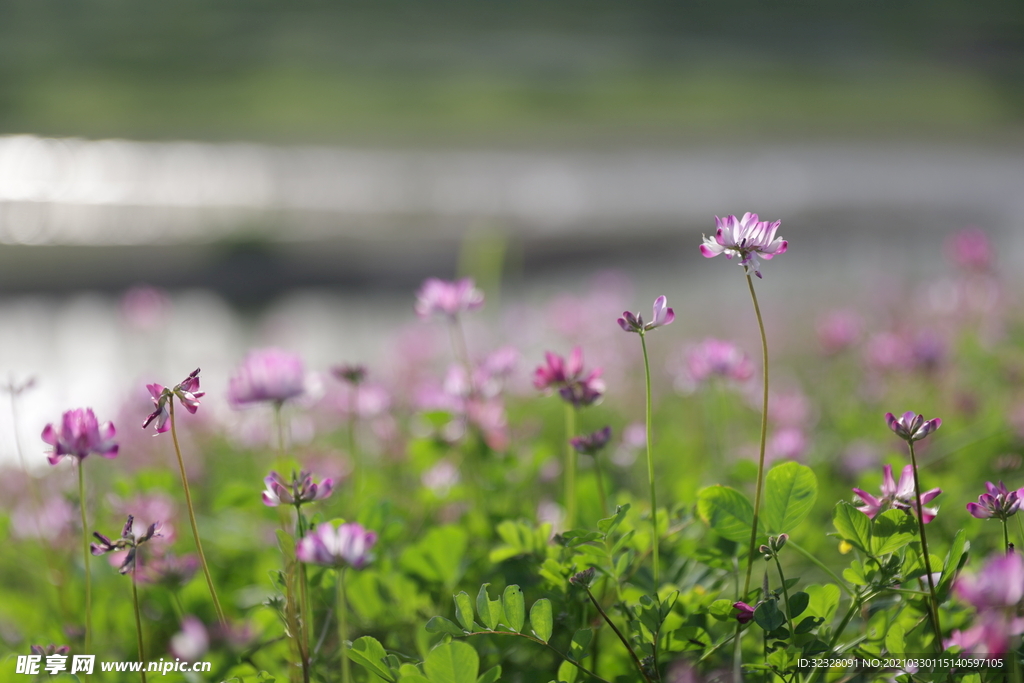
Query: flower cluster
(80, 434)
(128, 541)
(662, 315)
(569, 379)
(267, 375)
(747, 238)
(591, 444)
(348, 545)
(186, 392)
(897, 496)
(910, 426)
(441, 297)
(995, 592)
(301, 489)
(998, 503)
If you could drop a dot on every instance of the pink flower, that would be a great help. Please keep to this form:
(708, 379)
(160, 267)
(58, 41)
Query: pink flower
(999, 584)
(989, 636)
(788, 443)
(267, 375)
(661, 316)
(187, 395)
(747, 238)
(79, 435)
(899, 497)
(192, 641)
(839, 330)
(348, 545)
(708, 359)
(442, 297)
(910, 426)
(301, 489)
(592, 443)
(129, 541)
(744, 612)
(970, 249)
(569, 379)
(999, 502)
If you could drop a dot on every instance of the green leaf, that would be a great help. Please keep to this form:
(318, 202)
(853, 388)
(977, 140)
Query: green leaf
(853, 525)
(768, 615)
(726, 511)
(722, 610)
(892, 530)
(797, 604)
(514, 606)
(580, 642)
(442, 625)
(464, 610)
(822, 600)
(609, 525)
(567, 672)
(894, 640)
(492, 675)
(789, 495)
(414, 678)
(954, 562)
(541, 622)
(489, 610)
(368, 653)
(437, 557)
(454, 662)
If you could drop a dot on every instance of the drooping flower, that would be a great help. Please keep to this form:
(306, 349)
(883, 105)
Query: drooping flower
(347, 545)
(897, 496)
(661, 316)
(747, 238)
(592, 443)
(999, 502)
(446, 298)
(911, 426)
(80, 434)
(301, 489)
(744, 612)
(129, 540)
(187, 394)
(271, 375)
(568, 378)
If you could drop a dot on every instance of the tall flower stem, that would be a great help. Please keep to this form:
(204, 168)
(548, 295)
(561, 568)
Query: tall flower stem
(600, 484)
(461, 350)
(764, 436)
(343, 627)
(138, 619)
(85, 555)
(650, 463)
(785, 594)
(934, 604)
(192, 519)
(570, 467)
(357, 474)
(1006, 535)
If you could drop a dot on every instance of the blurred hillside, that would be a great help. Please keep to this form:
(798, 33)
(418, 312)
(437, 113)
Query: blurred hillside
(449, 73)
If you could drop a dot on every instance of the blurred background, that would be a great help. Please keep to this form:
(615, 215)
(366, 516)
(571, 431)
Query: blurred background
(181, 181)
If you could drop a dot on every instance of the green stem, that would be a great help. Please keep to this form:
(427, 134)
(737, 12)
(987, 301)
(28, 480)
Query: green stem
(570, 467)
(650, 464)
(192, 519)
(924, 551)
(600, 485)
(785, 594)
(625, 643)
(1006, 535)
(138, 619)
(343, 627)
(357, 476)
(306, 624)
(85, 556)
(764, 435)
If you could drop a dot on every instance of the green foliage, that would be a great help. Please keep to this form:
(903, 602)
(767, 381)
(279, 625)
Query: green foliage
(790, 490)
(727, 511)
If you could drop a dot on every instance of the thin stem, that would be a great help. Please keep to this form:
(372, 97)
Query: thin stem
(924, 551)
(138, 619)
(192, 519)
(461, 350)
(85, 555)
(1020, 528)
(625, 643)
(353, 404)
(764, 435)
(279, 422)
(1006, 535)
(570, 467)
(785, 594)
(600, 484)
(306, 623)
(650, 464)
(343, 627)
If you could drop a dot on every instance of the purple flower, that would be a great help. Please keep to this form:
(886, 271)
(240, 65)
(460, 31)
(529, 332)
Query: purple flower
(897, 496)
(442, 297)
(970, 249)
(839, 330)
(51, 649)
(591, 444)
(169, 570)
(989, 636)
(569, 379)
(129, 540)
(301, 489)
(744, 612)
(186, 392)
(79, 435)
(662, 315)
(267, 375)
(708, 359)
(747, 238)
(192, 641)
(995, 592)
(348, 545)
(910, 426)
(999, 502)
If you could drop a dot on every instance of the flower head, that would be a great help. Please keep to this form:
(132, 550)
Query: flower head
(661, 316)
(591, 444)
(999, 502)
(80, 434)
(187, 393)
(744, 612)
(352, 374)
(301, 489)
(567, 376)
(910, 426)
(267, 375)
(128, 541)
(897, 496)
(442, 297)
(745, 237)
(999, 584)
(709, 359)
(348, 545)
(970, 249)
(51, 649)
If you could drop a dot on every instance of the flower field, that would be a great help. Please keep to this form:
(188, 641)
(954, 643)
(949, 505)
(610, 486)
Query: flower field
(638, 501)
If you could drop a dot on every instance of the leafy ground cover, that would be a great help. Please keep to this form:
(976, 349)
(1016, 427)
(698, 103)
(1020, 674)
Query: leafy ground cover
(625, 507)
